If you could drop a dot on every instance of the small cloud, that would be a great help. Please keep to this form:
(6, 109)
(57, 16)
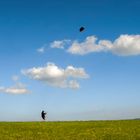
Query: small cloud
(17, 89)
(15, 78)
(56, 76)
(60, 44)
(41, 50)
(85, 47)
(73, 84)
(76, 72)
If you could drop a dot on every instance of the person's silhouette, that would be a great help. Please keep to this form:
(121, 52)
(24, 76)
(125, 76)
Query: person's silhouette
(43, 114)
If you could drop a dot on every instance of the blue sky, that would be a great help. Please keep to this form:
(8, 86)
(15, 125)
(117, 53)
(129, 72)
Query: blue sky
(78, 76)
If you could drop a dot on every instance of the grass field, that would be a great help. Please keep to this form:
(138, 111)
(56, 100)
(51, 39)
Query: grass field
(87, 130)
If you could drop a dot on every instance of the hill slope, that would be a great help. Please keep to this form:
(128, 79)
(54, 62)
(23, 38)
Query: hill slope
(88, 130)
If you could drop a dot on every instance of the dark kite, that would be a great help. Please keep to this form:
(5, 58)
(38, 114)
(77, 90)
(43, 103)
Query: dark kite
(81, 29)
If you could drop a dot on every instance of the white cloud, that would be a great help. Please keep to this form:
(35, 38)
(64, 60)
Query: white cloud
(15, 78)
(88, 46)
(124, 45)
(56, 76)
(74, 84)
(71, 71)
(60, 44)
(41, 50)
(19, 88)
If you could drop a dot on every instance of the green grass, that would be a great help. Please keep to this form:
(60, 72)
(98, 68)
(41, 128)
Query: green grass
(88, 130)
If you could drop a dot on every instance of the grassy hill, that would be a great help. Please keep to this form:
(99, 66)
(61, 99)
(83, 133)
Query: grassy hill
(86, 130)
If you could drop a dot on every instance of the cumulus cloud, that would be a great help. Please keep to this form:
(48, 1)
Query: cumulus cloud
(60, 44)
(19, 88)
(56, 76)
(124, 45)
(88, 46)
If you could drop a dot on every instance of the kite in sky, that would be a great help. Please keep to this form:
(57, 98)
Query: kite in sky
(81, 29)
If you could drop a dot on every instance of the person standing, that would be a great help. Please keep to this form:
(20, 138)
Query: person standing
(43, 114)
